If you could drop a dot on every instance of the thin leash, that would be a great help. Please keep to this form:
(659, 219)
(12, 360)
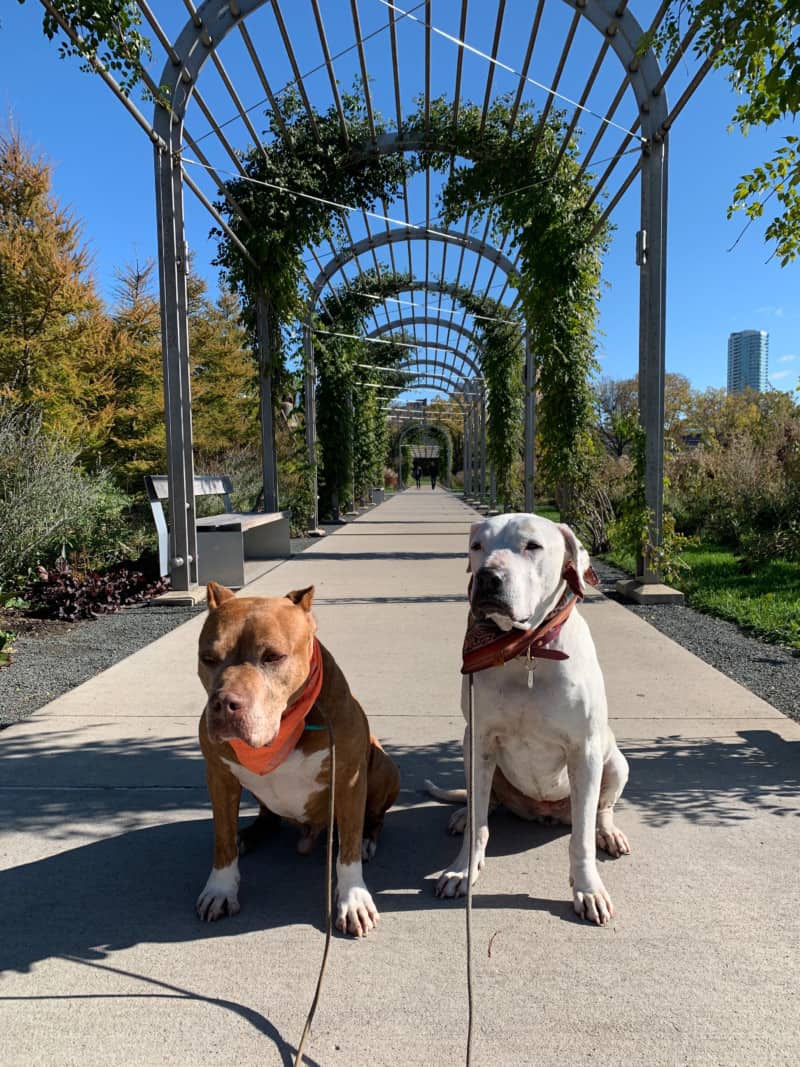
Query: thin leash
(328, 896)
(471, 867)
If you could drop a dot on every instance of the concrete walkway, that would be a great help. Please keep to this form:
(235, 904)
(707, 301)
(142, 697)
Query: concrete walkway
(105, 841)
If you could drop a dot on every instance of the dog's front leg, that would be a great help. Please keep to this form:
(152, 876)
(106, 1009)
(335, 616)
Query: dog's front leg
(589, 897)
(355, 909)
(221, 893)
(452, 882)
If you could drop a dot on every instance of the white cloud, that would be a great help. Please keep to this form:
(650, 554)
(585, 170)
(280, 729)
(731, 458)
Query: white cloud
(787, 359)
(771, 309)
(780, 374)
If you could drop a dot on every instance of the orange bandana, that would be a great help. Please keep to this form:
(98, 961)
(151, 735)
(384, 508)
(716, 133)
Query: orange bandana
(266, 758)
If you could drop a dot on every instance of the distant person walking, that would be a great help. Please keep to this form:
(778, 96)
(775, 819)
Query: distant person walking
(418, 476)
(433, 477)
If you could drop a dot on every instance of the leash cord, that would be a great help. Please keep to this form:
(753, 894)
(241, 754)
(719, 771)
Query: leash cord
(471, 865)
(328, 901)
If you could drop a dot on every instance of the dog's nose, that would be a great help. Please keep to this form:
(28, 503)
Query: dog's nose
(487, 582)
(228, 702)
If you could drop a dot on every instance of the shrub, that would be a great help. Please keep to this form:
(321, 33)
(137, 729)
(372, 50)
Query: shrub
(59, 593)
(48, 503)
(390, 477)
(730, 495)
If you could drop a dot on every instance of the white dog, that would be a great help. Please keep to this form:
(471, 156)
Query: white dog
(542, 749)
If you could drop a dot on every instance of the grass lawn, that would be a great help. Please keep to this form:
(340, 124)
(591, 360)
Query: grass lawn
(766, 603)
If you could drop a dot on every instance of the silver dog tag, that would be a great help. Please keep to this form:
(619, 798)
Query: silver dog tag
(531, 667)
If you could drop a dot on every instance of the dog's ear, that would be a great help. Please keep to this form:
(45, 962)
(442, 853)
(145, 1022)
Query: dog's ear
(472, 531)
(578, 568)
(217, 594)
(302, 597)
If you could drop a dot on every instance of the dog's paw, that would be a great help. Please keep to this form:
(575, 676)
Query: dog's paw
(453, 881)
(591, 901)
(221, 894)
(356, 913)
(612, 840)
(458, 822)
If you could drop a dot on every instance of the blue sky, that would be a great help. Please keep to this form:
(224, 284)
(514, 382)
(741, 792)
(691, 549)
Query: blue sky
(103, 170)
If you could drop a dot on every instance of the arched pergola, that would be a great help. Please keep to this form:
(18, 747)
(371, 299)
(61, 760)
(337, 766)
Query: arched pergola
(638, 109)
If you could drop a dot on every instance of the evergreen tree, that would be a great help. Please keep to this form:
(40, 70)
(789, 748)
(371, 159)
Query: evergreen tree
(137, 440)
(54, 333)
(225, 399)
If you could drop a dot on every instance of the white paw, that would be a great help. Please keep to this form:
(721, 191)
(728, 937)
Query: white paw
(612, 840)
(591, 901)
(221, 894)
(458, 822)
(356, 913)
(453, 881)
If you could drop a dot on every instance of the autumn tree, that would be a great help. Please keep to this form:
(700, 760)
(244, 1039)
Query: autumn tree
(137, 442)
(54, 333)
(617, 410)
(225, 398)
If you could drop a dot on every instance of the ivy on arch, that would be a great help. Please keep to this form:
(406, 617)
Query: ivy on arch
(512, 171)
(351, 426)
(409, 435)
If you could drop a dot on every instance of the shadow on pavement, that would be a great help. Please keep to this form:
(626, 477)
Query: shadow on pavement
(140, 885)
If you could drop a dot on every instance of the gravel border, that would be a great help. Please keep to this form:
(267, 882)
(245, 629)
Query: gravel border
(64, 655)
(47, 665)
(772, 672)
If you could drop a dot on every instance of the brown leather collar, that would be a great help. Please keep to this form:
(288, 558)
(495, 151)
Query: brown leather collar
(486, 645)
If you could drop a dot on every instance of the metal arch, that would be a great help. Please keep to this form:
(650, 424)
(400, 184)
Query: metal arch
(452, 382)
(406, 233)
(473, 366)
(200, 36)
(430, 320)
(415, 429)
(337, 264)
(473, 409)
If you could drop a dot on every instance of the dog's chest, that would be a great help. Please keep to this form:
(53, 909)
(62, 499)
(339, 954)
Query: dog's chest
(526, 732)
(287, 789)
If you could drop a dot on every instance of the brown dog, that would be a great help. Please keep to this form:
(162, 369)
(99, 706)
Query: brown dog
(261, 666)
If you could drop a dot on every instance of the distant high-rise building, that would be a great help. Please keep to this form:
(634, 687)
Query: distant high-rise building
(748, 352)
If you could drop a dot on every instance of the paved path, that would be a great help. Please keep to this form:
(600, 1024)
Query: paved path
(105, 842)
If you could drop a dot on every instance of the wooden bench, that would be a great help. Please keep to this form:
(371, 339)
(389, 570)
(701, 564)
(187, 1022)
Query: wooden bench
(227, 542)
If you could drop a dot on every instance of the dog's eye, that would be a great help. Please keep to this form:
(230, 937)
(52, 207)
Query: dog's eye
(476, 546)
(208, 658)
(532, 546)
(271, 656)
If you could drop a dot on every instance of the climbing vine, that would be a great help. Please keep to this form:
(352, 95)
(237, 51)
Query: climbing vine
(351, 424)
(513, 172)
(407, 436)
(533, 192)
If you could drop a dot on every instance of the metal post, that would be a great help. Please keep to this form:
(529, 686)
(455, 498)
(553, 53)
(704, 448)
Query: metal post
(467, 454)
(172, 268)
(483, 442)
(492, 486)
(353, 449)
(268, 461)
(475, 452)
(652, 260)
(311, 422)
(530, 423)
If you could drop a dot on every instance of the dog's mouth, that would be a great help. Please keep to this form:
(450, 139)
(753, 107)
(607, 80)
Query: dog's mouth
(485, 606)
(222, 728)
